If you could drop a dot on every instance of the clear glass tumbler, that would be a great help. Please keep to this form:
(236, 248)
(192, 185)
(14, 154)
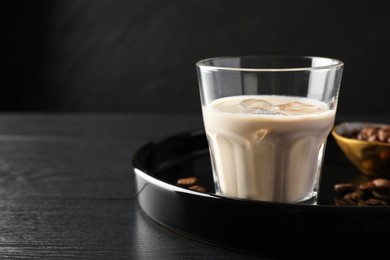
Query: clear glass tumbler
(267, 119)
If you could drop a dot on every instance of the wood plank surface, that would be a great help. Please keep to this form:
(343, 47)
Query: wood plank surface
(66, 189)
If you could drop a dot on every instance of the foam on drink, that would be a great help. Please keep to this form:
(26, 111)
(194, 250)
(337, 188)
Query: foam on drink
(267, 147)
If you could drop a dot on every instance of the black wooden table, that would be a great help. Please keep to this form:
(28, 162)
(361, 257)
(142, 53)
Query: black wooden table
(66, 189)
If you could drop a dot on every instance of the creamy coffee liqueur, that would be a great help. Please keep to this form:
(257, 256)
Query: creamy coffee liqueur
(267, 147)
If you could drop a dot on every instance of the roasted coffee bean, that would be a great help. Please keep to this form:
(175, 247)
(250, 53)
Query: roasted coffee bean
(369, 193)
(349, 202)
(381, 194)
(381, 183)
(375, 202)
(345, 202)
(362, 203)
(372, 138)
(374, 134)
(367, 186)
(187, 181)
(367, 133)
(354, 196)
(344, 187)
(384, 134)
(341, 203)
(197, 188)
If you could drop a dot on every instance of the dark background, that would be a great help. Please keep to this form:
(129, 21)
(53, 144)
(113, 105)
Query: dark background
(139, 56)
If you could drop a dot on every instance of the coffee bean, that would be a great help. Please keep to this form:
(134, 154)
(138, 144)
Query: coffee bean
(374, 134)
(343, 187)
(375, 202)
(381, 183)
(384, 134)
(381, 194)
(349, 202)
(354, 196)
(370, 193)
(362, 203)
(360, 136)
(341, 203)
(201, 189)
(367, 186)
(187, 181)
(345, 202)
(197, 188)
(372, 138)
(367, 133)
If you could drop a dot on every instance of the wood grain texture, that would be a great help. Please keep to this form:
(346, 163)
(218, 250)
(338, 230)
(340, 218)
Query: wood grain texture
(66, 189)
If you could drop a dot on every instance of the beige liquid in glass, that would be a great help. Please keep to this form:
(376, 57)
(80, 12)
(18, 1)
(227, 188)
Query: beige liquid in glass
(267, 148)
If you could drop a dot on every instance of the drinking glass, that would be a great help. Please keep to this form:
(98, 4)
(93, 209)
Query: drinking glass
(267, 119)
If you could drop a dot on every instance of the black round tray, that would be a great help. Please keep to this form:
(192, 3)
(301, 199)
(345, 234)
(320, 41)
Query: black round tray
(292, 230)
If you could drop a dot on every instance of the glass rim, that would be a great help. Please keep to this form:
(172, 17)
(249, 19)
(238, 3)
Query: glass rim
(333, 64)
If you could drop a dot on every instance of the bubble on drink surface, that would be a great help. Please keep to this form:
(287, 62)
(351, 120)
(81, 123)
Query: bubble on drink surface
(297, 108)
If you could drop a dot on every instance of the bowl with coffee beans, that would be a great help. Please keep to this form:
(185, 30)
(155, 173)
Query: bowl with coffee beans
(366, 145)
